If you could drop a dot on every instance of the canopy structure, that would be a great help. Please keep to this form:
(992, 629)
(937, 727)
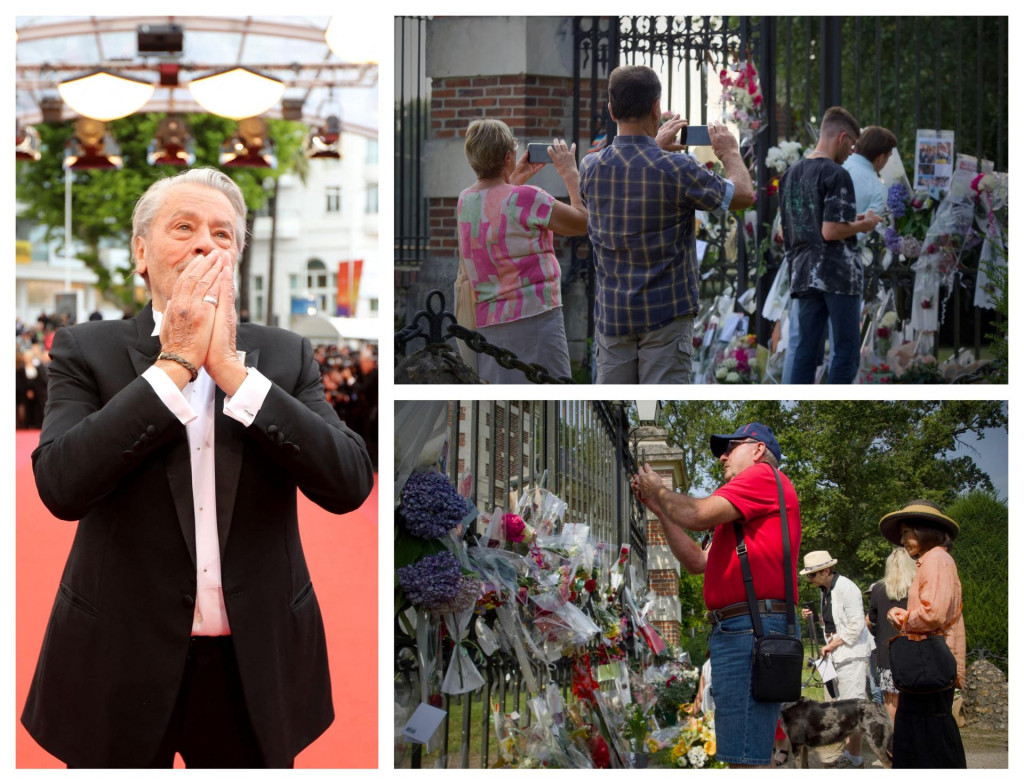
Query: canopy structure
(330, 329)
(318, 80)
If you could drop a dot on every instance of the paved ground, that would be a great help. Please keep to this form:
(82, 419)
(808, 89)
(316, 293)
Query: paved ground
(985, 749)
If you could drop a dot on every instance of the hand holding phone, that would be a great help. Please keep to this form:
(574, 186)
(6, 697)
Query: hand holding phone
(537, 152)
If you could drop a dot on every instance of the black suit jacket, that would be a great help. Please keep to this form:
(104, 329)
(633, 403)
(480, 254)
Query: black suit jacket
(112, 456)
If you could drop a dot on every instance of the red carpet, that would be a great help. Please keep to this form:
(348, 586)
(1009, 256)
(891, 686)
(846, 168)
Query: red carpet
(348, 600)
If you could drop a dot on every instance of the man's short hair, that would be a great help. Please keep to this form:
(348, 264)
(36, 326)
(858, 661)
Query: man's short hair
(487, 144)
(837, 120)
(769, 458)
(632, 91)
(874, 141)
(153, 199)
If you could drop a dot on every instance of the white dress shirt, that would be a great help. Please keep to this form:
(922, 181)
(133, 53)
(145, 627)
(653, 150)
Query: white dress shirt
(194, 408)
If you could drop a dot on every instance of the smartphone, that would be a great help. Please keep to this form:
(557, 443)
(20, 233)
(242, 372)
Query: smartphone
(695, 136)
(538, 153)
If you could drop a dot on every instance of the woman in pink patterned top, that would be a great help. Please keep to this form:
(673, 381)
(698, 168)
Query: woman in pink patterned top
(506, 250)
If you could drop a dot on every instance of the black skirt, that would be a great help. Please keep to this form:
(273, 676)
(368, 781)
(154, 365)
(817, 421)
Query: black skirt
(925, 734)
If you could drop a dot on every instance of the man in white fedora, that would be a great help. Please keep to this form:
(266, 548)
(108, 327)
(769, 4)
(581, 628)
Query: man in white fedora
(846, 634)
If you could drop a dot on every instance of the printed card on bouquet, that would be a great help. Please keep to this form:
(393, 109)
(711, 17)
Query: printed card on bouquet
(423, 723)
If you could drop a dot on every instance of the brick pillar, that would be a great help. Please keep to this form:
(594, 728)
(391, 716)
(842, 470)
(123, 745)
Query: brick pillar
(518, 70)
(662, 566)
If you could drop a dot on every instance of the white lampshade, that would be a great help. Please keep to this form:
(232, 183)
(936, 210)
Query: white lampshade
(648, 411)
(349, 41)
(236, 94)
(105, 96)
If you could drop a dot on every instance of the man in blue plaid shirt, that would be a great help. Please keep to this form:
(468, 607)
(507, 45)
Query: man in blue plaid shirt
(641, 193)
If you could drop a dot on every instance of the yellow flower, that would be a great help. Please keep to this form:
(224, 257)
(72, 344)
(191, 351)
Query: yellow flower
(652, 745)
(710, 747)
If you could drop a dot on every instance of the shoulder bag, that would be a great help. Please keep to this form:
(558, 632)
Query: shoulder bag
(923, 666)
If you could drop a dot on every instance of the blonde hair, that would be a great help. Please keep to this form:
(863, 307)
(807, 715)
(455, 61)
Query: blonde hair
(487, 143)
(900, 570)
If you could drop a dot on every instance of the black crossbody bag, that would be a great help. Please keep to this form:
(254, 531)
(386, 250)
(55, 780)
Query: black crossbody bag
(778, 659)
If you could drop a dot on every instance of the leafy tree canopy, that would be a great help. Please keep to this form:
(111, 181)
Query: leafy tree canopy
(103, 199)
(850, 461)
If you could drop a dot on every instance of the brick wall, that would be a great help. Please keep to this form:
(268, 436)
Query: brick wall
(534, 106)
(669, 631)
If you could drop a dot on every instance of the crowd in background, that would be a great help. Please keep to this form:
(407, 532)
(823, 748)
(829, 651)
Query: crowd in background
(350, 382)
(349, 377)
(32, 358)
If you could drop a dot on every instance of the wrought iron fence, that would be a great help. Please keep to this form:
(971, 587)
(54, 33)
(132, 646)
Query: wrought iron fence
(578, 450)
(412, 128)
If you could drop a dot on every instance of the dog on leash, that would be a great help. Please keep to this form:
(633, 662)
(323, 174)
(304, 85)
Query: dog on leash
(809, 724)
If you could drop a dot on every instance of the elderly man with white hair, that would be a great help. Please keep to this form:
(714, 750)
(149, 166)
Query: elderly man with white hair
(185, 621)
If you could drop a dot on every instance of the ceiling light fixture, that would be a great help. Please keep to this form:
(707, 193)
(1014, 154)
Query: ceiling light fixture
(26, 143)
(237, 94)
(325, 141)
(349, 42)
(172, 145)
(105, 96)
(250, 146)
(91, 147)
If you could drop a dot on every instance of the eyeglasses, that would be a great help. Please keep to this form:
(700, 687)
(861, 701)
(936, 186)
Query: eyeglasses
(737, 442)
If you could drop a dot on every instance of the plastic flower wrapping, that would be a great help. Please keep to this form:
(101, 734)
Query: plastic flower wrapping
(530, 588)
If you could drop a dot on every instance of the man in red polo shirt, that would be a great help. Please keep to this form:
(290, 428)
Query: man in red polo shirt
(745, 727)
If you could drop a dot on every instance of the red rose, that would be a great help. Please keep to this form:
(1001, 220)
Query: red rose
(883, 332)
(926, 304)
(514, 527)
(590, 585)
(697, 340)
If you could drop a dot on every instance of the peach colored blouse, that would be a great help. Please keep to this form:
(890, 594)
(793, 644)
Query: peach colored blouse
(934, 600)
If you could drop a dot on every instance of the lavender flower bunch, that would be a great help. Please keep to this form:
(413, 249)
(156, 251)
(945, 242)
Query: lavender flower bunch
(430, 505)
(431, 582)
(898, 199)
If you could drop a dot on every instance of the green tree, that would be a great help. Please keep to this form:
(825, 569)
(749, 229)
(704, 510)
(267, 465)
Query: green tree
(850, 461)
(982, 555)
(103, 199)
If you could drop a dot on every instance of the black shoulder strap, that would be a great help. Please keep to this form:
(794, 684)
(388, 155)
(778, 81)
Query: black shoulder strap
(787, 568)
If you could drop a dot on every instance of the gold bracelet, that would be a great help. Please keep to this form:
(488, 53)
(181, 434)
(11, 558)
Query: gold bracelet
(181, 361)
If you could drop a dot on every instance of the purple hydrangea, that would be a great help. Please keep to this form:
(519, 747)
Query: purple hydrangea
(465, 598)
(910, 247)
(899, 197)
(432, 581)
(893, 240)
(430, 505)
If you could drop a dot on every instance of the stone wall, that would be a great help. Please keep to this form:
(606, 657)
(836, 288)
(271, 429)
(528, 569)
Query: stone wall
(986, 697)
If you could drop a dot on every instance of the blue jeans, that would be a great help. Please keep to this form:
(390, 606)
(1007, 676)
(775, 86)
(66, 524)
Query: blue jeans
(815, 310)
(744, 727)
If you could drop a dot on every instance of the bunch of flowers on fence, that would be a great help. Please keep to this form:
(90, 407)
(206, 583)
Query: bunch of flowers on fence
(532, 589)
(742, 101)
(736, 363)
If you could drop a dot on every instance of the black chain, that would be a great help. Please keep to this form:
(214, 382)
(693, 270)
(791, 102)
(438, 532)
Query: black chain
(436, 333)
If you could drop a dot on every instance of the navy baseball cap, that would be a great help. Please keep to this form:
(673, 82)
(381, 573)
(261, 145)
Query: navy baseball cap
(756, 431)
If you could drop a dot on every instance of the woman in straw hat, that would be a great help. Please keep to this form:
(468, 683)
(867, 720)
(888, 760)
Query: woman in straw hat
(925, 732)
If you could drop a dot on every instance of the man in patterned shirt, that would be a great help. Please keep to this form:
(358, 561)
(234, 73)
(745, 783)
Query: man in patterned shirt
(820, 224)
(641, 195)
